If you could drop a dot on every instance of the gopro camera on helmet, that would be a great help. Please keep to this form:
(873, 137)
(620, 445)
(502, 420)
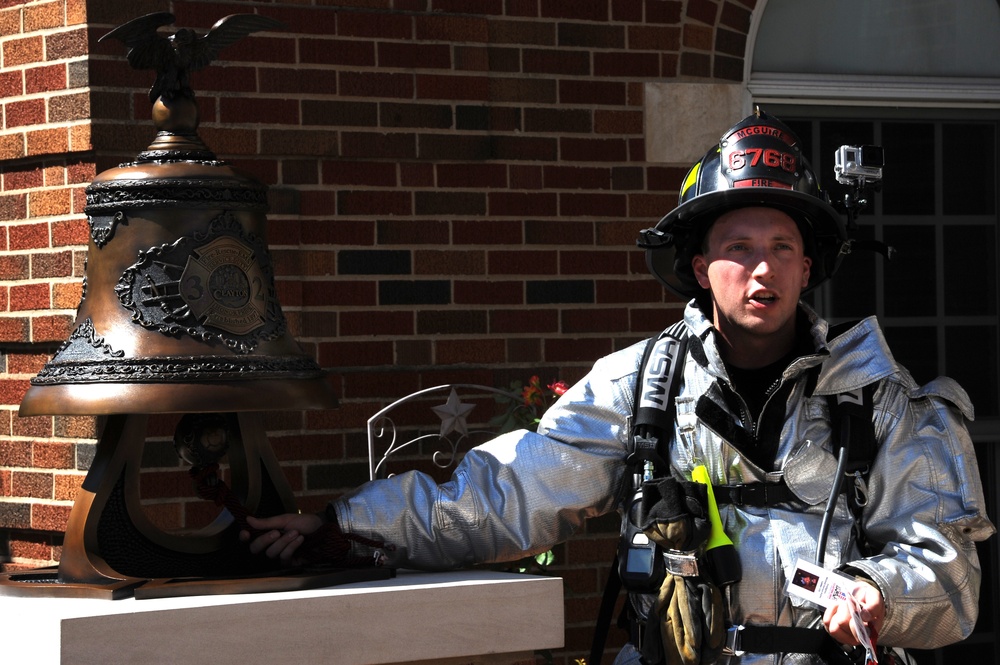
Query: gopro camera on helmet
(859, 164)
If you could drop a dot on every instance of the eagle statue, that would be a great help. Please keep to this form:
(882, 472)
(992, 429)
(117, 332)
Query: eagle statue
(175, 56)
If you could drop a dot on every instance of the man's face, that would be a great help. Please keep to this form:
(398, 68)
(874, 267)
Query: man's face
(755, 266)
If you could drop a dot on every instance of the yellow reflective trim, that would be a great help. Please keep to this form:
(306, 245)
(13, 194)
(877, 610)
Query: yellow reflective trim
(691, 179)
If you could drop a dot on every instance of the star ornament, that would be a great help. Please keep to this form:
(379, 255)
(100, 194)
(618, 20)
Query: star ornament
(452, 414)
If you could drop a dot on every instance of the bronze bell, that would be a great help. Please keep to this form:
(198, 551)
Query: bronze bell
(179, 312)
(178, 315)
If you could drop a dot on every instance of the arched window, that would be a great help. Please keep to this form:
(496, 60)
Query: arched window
(916, 52)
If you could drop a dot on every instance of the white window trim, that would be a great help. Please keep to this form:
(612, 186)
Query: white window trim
(838, 90)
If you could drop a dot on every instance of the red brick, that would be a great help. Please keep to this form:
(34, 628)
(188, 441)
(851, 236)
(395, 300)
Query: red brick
(522, 204)
(32, 485)
(26, 363)
(48, 141)
(524, 90)
(51, 328)
(663, 11)
(416, 175)
(559, 350)
(260, 110)
(53, 455)
(479, 352)
(10, 19)
(452, 87)
(487, 232)
(618, 64)
(31, 546)
(13, 330)
(63, 45)
(376, 25)
(15, 454)
(299, 81)
(29, 297)
(493, 292)
(375, 145)
(49, 202)
(618, 122)
(584, 204)
(479, 176)
(15, 266)
(374, 202)
(521, 321)
(376, 84)
(355, 354)
(521, 262)
(449, 262)
(11, 84)
(556, 61)
(376, 323)
(24, 51)
(12, 146)
(28, 236)
(25, 178)
(341, 52)
(69, 108)
(446, 28)
(39, 427)
(587, 10)
(70, 232)
(66, 295)
(593, 93)
(75, 427)
(577, 322)
(373, 174)
(410, 55)
(23, 113)
(43, 16)
(5, 478)
(47, 517)
(592, 150)
(45, 78)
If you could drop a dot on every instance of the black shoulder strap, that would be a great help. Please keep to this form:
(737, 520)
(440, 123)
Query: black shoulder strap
(657, 384)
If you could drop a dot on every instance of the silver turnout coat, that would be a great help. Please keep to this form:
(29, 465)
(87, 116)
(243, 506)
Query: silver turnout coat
(524, 492)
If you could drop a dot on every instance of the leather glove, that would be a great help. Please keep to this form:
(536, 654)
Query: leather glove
(674, 513)
(685, 625)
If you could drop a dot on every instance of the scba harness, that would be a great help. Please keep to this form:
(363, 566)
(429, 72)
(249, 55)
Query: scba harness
(666, 516)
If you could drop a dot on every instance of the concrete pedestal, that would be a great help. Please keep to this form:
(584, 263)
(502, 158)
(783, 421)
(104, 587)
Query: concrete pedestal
(467, 617)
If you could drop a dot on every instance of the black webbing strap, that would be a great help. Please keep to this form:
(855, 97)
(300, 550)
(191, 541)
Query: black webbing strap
(760, 495)
(657, 384)
(782, 639)
(611, 590)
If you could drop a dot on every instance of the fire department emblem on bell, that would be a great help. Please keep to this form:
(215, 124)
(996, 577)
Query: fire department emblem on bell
(214, 286)
(224, 286)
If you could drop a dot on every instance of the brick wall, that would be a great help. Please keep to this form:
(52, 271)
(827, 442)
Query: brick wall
(456, 188)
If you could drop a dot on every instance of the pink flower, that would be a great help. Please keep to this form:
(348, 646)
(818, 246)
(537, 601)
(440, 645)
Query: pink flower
(558, 387)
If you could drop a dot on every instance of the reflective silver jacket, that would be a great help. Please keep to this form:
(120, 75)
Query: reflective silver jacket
(524, 492)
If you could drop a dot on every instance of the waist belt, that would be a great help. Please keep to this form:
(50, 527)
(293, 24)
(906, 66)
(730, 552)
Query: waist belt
(776, 639)
(761, 495)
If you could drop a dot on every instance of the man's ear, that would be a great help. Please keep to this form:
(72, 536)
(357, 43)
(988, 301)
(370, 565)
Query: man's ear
(807, 264)
(699, 265)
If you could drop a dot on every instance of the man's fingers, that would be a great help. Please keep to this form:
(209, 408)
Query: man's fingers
(264, 541)
(286, 544)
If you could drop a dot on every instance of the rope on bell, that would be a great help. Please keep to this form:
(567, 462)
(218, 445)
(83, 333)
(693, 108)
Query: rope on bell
(326, 545)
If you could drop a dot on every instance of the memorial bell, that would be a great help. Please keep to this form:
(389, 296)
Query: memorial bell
(178, 315)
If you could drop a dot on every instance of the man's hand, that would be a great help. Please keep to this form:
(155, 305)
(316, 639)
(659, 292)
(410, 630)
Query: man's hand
(837, 618)
(282, 534)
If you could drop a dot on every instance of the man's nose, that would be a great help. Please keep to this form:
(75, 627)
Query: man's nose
(762, 266)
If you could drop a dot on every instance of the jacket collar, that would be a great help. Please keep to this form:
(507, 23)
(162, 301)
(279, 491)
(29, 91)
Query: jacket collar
(853, 359)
